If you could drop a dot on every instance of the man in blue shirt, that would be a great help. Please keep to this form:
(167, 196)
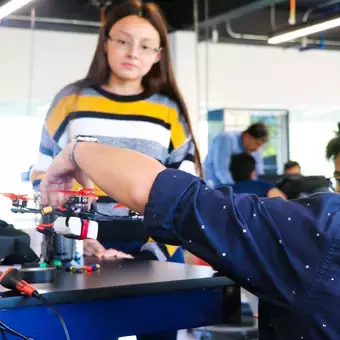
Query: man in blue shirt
(242, 169)
(224, 145)
(285, 252)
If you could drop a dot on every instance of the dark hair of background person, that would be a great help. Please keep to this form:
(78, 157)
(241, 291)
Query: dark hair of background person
(241, 166)
(290, 165)
(258, 131)
(161, 77)
(333, 146)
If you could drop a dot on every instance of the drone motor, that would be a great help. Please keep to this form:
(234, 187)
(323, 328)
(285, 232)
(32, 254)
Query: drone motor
(19, 203)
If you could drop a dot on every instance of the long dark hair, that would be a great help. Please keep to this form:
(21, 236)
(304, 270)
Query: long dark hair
(160, 79)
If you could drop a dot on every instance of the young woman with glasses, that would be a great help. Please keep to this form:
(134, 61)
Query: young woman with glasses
(129, 99)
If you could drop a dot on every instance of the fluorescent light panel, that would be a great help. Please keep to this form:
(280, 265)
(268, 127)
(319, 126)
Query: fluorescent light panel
(12, 6)
(304, 31)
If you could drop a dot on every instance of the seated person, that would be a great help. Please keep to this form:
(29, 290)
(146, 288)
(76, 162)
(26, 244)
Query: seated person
(294, 185)
(242, 168)
(333, 153)
(291, 168)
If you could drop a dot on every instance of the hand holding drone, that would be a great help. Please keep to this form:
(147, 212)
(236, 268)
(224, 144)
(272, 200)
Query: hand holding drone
(76, 218)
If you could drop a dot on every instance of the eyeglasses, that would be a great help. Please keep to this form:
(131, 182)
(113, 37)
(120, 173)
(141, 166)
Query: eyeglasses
(126, 45)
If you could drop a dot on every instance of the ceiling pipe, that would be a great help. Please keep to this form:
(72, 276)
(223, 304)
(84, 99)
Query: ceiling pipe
(244, 36)
(304, 42)
(238, 12)
(323, 5)
(59, 21)
(55, 21)
(273, 17)
(292, 12)
(253, 37)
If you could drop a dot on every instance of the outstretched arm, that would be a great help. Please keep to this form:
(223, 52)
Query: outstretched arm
(125, 175)
(272, 247)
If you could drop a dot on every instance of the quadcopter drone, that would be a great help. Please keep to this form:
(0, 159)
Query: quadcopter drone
(75, 219)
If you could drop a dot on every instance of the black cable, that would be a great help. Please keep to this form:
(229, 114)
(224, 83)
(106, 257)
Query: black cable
(101, 214)
(61, 320)
(4, 328)
(119, 218)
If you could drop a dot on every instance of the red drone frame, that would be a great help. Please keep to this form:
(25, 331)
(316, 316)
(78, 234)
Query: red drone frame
(77, 203)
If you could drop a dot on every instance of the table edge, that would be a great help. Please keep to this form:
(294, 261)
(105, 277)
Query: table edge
(10, 300)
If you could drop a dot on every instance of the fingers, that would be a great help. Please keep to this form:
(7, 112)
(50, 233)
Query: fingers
(85, 182)
(48, 194)
(56, 198)
(113, 253)
(44, 191)
(50, 186)
(93, 248)
(109, 253)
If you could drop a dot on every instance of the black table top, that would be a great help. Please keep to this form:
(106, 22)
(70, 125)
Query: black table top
(117, 279)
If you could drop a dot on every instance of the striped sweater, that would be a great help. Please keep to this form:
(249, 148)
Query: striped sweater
(151, 125)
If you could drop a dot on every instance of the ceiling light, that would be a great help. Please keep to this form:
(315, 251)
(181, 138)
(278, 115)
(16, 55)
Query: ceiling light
(12, 6)
(305, 29)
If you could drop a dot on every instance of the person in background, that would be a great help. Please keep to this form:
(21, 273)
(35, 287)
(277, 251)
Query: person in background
(291, 168)
(129, 99)
(224, 145)
(333, 153)
(243, 171)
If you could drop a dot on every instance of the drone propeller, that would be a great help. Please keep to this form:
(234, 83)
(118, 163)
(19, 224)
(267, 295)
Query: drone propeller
(120, 205)
(15, 197)
(81, 192)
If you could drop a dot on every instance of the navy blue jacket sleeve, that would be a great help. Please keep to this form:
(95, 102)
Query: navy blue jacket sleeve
(272, 247)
